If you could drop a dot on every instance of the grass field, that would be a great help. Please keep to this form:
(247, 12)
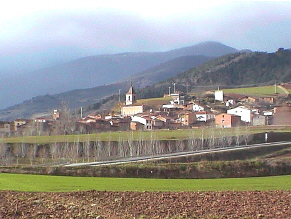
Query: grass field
(42, 183)
(158, 102)
(256, 91)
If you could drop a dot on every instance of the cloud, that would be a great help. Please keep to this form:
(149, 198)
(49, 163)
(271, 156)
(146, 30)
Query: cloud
(120, 26)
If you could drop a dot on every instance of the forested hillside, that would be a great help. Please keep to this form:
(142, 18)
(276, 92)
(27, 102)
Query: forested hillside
(240, 69)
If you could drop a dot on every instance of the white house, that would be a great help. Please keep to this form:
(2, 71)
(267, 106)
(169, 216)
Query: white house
(146, 121)
(243, 112)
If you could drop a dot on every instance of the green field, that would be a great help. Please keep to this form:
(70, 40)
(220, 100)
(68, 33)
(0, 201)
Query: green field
(256, 91)
(42, 183)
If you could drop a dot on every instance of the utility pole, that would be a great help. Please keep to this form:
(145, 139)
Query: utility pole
(275, 87)
(119, 95)
(174, 87)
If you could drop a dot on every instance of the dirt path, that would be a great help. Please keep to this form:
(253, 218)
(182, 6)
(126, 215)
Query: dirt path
(283, 89)
(94, 204)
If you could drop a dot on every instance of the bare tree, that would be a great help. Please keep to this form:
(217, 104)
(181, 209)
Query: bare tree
(66, 123)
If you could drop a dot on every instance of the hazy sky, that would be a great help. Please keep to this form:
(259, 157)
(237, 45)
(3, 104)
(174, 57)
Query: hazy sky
(94, 27)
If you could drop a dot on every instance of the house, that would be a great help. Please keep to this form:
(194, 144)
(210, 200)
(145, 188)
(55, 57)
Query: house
(102, 125)
(42, 124)
(225, 120)
(231, 99)
(171, 107)
(166, 120)
(259, 120)
(248, 99)
(18, 123)
(157, 123)
(188, 118)
(270, 100)
(175, 125)
(91, 125)
(243, 112)
(145, 120)
(120, 124)
(148, 122)
(178, 99)
(204, 116)
(136, 126)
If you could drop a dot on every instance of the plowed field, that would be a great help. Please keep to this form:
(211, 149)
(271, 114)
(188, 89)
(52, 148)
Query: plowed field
(103, 204)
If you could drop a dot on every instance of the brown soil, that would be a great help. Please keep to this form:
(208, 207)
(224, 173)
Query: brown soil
(95, 204)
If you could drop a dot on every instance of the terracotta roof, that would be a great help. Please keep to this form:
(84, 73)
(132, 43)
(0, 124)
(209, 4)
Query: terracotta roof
(201, 112)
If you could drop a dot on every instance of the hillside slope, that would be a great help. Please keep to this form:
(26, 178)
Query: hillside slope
(240, 69)
(44, 104)
(167, 70)
(94, 71)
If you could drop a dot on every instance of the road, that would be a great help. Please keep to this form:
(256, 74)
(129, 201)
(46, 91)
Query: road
(176, 155)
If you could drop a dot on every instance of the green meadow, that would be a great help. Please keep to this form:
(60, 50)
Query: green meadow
(256, 91)
(44, 183)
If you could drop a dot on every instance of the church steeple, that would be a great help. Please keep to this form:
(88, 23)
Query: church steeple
(130, 96)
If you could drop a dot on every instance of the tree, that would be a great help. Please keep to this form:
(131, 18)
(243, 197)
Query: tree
(66, 123)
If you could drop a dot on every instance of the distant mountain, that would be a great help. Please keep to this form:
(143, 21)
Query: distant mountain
(94, 71)
(167, 70)
(44, 104)
(209, 48)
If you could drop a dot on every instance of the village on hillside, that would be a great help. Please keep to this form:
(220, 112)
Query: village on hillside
(178, 111)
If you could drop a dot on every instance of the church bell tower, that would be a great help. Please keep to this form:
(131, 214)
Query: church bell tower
(130, 96)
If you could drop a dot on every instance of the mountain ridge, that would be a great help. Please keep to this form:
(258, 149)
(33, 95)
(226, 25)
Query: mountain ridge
(161, 71)
(83, 97)
(92, 71)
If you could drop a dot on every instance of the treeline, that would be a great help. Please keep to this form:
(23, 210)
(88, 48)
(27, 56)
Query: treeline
(126, 146)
